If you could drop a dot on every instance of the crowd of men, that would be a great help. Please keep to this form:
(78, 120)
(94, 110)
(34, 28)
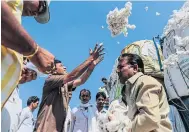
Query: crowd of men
(142, 107)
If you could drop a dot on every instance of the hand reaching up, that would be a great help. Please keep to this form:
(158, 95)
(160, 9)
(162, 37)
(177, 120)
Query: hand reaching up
(97, 52)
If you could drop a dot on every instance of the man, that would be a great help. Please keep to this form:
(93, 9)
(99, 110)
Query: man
(9, 116)
(26, 120)
(100, 101)
(85, 114)
(16, 42)
(69, 117)
(145, 96)
(54, 106)
(105, 88)
(101, 110)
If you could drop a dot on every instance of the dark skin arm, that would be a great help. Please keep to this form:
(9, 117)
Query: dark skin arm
(15, 37)
(77, 72)
(84, 77)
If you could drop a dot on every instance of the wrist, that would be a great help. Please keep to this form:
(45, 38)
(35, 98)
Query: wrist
(33, 52)
(91, 67)
(91, 59)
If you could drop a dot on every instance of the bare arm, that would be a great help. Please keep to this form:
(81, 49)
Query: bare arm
(86, 75)
(77, 72)
(13, 35)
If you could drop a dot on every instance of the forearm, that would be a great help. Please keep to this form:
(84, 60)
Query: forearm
(86, 75)
(13, 35)
(77, 72)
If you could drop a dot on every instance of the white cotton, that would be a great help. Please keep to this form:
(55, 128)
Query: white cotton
(178, 25)
(179, 20)
(117, 20)
(100, 44)
(157, 14)
(170, 61)
(131, 26)
(146, 8)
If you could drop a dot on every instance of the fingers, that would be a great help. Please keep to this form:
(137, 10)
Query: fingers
(95, 49)
(100, 48)
(90, 51)
(101, 54)
(101, 58)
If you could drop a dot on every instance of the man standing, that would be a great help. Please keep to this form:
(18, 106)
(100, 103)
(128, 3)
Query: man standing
(101, 110)
(85, 114)
(69, 116)
(26, 120)
(54, 106)
(145, 96)
(106, 87)
(100, 101)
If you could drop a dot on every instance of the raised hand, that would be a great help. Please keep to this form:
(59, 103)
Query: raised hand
(97, 52)
(98, 60)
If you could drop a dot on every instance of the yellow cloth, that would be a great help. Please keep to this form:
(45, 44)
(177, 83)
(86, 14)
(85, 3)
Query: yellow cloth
(11, 61)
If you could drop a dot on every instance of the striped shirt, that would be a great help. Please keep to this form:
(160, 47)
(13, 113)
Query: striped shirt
(11, 61)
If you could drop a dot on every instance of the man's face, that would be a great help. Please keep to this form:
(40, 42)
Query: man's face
(35, 105)
(124, 70)
(32, 7)
(85, 97)
(100, 101)
(61, 69)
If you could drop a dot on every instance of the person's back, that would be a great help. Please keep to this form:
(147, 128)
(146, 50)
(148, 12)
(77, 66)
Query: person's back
(26, 121)
(28, 124)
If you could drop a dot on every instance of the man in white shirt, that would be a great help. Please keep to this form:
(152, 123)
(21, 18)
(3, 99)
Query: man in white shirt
(26, 120)
(84, 115)
(101, 110)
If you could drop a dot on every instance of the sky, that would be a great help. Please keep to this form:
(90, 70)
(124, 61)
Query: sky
(75, 27)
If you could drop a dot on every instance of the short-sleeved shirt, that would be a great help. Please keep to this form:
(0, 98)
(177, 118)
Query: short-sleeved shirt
(53, 108)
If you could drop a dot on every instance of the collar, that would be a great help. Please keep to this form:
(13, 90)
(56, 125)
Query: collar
(133, 79)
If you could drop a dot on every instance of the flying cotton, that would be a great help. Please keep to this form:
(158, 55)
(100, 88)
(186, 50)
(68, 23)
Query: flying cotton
(118, 20)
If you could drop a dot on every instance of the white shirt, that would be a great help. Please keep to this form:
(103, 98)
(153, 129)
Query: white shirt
(10, 112)
(26, 121)
(82, 118)
(68, 122)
